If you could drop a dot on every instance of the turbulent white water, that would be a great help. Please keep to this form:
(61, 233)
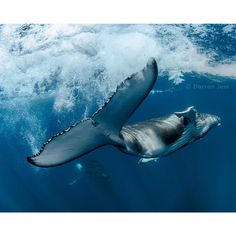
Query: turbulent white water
(73, 62)
(83, 63)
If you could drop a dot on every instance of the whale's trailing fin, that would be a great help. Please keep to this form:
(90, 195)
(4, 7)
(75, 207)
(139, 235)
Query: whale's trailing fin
(72, 143)
(128, 96)
(105, 125)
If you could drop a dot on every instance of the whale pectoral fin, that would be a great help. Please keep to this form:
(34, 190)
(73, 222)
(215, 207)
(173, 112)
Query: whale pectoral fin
(70, 144)
(146, 160)
(128, 96)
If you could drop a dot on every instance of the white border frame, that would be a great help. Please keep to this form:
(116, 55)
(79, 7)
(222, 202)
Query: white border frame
(117, 11)
(122, 11)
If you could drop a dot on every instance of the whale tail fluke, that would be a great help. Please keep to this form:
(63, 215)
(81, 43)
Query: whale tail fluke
(104, 126)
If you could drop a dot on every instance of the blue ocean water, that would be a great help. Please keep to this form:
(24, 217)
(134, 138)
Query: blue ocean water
(54, 75)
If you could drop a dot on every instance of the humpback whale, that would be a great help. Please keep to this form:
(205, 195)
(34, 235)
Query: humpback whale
(150, 139)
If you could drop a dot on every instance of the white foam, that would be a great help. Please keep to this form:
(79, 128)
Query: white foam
(229, 28)
(59, 59)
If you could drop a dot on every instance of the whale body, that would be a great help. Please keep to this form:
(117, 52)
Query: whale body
(149, 139)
